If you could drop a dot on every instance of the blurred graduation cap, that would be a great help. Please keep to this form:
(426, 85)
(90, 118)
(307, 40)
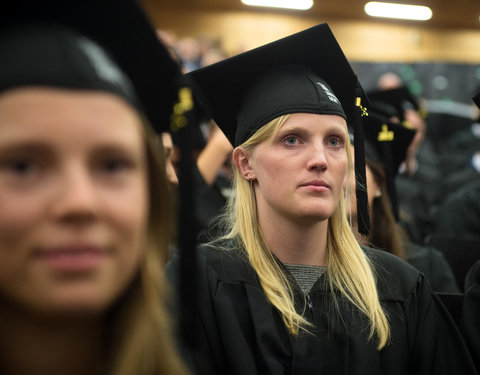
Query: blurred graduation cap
(305, 72)
(122, 29)
(394, 101)
(386, 143)
(109, 46)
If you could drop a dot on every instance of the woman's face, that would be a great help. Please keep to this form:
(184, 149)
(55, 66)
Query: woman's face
(301, 172)
(73, 198)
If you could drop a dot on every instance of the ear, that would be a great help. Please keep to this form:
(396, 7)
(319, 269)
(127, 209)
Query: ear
(242, 162)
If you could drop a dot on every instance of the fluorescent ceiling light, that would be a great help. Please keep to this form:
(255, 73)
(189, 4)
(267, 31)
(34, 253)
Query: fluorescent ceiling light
(288, 4)
(401, 11)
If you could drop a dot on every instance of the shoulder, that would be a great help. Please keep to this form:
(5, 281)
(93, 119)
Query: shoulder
(223, 261)
(396, 279)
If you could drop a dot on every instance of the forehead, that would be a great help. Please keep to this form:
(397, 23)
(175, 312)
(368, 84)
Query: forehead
(314, 122)
(40, 109)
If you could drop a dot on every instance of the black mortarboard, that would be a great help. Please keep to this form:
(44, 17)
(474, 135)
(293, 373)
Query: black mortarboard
(386, 143)
(304, 72)
(398, 100)
(120, 27)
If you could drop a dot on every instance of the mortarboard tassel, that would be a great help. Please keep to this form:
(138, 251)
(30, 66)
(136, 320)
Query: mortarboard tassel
(360, 174)
(182, 124)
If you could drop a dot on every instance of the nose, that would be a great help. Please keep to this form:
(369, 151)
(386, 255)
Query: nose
(75, 200)
(316, 157)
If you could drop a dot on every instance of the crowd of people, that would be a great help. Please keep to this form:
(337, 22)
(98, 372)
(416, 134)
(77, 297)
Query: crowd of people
(165, 209)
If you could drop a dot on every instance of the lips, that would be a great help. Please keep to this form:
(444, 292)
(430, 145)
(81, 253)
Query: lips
(316, 186)
(72, 258)
(318, 183)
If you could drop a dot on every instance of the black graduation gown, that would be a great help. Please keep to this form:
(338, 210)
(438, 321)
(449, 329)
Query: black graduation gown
(240, 332)
(434, 266)
(459, 216)
(471, 312)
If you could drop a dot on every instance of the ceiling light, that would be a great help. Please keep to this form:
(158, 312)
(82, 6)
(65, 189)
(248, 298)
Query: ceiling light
(288, 4)
(401, 11)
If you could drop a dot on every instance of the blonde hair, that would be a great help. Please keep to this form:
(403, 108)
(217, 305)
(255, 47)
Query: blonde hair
(141, 337)
(348, 269)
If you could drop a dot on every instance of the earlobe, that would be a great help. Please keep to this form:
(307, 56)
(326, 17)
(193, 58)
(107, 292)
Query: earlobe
(242, 162)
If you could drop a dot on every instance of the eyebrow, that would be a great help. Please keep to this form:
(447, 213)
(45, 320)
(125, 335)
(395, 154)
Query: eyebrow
(297, 128)
(44, 148)
(25, 146)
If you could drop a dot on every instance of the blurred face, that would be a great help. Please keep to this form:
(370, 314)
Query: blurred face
(301, 172)
(168, 149)
(73, 198)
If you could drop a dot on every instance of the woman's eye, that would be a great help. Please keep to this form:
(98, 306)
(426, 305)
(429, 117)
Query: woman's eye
(335, 142)
(291, 140)
(115, 165)
(20, 167)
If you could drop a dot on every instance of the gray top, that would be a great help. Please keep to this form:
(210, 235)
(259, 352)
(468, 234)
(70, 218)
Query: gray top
(305, 275)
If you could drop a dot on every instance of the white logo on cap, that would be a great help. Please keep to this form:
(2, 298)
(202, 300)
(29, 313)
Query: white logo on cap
(330, 94)
(102, 64)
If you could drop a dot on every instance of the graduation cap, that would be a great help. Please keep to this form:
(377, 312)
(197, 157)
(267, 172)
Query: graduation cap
(305, 72)
(110, 46)
(386, 143)
(395, 101)
(120, 27)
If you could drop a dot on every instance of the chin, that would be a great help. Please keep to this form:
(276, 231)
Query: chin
(75, 303)
(319, 213)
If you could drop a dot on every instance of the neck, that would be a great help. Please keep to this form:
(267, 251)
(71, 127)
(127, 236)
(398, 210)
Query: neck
(293, 242)
(39, 345)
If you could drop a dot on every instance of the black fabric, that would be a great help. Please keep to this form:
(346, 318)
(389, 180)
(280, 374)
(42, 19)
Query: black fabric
(459, 215)
(63, 58)
(460, 252)
(283, 90)
(471, 312)
(209, 202)
(124, 31)
(387, 144)
(379, 131)
(399, 98)
(241, 333)
(225, 87)
(432, 263)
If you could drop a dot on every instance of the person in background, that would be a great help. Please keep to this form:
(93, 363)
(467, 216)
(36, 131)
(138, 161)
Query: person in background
(414, 183)
(85, 215)
(189, 51)
(459, 214)
(386, 147)
(287, 288)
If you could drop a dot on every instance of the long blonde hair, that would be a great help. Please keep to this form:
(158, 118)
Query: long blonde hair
(348, 268)
(141, 338)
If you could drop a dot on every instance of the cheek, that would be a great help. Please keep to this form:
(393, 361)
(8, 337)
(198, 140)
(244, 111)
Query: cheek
(19, 215)
(128, 213)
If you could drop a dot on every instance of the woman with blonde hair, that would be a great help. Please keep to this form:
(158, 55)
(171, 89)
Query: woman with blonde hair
(85, 218)
(287, 289)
